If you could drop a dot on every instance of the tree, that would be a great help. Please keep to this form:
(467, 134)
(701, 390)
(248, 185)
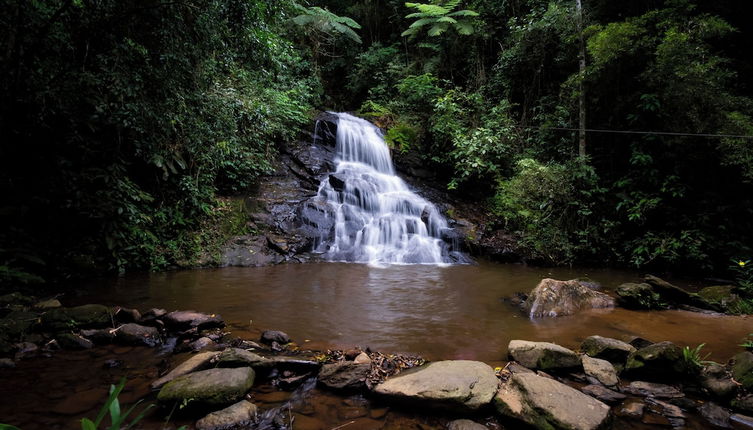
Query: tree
(439, 17)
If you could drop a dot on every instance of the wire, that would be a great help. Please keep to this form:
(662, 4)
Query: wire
(659, 133)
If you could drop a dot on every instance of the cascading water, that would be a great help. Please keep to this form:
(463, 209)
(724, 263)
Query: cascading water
(377, 218)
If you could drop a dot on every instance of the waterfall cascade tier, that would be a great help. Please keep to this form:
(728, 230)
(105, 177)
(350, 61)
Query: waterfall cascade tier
(377, 218)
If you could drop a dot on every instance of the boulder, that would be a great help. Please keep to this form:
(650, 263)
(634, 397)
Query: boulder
(674, 294)
(202, 343)
(100, 336)
(74, 341)
(184, 320)
(671, 413)
(542, 355)
(48, 304)
(86, 316)
(212, 387)
(553, 298)
(721, 298)
(237, 415)
(236, 357)
(7, 363)
(199, 361)
(613, 350)
(631, 409)
(715, 414)
(650, 389)
(337, 182)
(465, 425)
(547, 404)
(344, 375)
(456, 384)
(603, 393)
(269, 336)
(663, 360)
(639, 296)
(601, 370)
(17, 324)
(718, 381)
(135, 334)
(744, 403)
(742, 369)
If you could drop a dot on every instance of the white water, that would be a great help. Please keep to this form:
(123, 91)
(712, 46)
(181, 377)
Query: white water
(378, 219)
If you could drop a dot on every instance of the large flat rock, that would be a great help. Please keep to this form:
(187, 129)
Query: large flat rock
(213, 386)
(547, 404)
(542, 355)
(197, 362)
(458, 384)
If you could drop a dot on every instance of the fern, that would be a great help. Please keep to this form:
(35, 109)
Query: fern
(327, 24)
(439, 18)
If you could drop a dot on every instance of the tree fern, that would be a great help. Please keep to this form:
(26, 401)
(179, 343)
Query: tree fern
(439, 18)
(326, 24)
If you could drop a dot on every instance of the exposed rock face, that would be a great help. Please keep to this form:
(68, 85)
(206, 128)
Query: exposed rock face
(457, 384)
(742, 369)
(601, 370)
(134, 334)
(553, 298)
(184, 320)
(613, 350)
(213, 386)
(344, 375)
(547, 404)
(542, 355)
(659, 361)
(239, 414)
(197, 362)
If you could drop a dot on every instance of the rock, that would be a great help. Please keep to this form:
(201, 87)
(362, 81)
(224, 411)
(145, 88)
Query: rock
(344, 375)
(74, 341)
(17, 325)
(362, 358)
(639, 296)
(213, 386)
(600, 369)
(638, 342)
(199, 361)
(236, 357)
(201, 343)
(102, 336)
(674, 294)
(15, 298)
(184, 320)
(742, 369)
(7, 363)
(48, 304)
(542, 355)
(720, 297)
(741, 422)
(269, 336)
(86, 316)
(612, 350)
(744, 403)
(239, 414)
(465, 425)
(604, 394)
(553, 298)
(293, 363)
(547, 404)
(456, 384)
(135, 334)
(337, 182)
(126, 315)
(672, 413)
(152, 314)
(631, 409)
(718, 381)
(715, 414)
(514, 367)
(660, 361)
(645, 389)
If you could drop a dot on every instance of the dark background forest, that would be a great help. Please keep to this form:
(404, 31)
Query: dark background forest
(123, 122)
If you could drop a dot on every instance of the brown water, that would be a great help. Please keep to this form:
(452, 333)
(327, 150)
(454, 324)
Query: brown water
(453, 312)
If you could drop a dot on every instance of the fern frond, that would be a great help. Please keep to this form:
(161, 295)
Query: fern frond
(464, 27)
(422, 22)
(464, 12)
(438, 29)
(447, 19)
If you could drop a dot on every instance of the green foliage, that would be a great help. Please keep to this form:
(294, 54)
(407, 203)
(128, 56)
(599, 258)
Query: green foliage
(692, 360)
(438, 18)
(748, 343)
(325, 24)
(402, 136)
(8, 427)
(738, 152)
(418, 92)
(743, 270)
(118, 419)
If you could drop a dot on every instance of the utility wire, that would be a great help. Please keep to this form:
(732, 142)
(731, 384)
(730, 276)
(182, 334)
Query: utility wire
(659, 133)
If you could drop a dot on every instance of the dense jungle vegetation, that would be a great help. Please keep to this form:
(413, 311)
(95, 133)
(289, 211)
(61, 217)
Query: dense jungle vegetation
(123, 122)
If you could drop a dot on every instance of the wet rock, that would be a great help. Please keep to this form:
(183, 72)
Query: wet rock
(674, 294)
(601, 370)
(514, 367)
(613, 350)
(237, 415)
(362, 358)
(744, 403)
(720, 297)
(269, 336)
(290, 383)
(213, 386)
(126, 315)
(16, 298)
(86, 316)
(718, 381)
(542, 355)
(202, 343)
(102, 336)
(135, 334)
(715, 414)
(458, 384)
(236, 357)
(545, 403)
(639, 296)
(337, 182)
(638, 342)
(74, 341)
(184, 320)
(344, 375)
(659, 361)
(672, 413)
(48, 304)
(199, 361)
(7, 363)
(742, 369)
(465, 425)
(17, 324)
(741, 422)
(631, 409)
(553, 298)
(603, 393)
(645, 389)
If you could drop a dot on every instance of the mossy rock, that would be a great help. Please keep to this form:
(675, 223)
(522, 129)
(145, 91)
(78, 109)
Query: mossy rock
(17, 324)
(661, 361)
(742, 369)
(639, 296)
(209, 387)
(723, 298)
(86, 316)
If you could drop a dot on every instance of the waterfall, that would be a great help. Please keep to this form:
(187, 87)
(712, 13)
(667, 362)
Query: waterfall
(377, 218)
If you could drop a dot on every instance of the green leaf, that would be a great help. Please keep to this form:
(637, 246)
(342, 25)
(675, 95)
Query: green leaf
(86, 424)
